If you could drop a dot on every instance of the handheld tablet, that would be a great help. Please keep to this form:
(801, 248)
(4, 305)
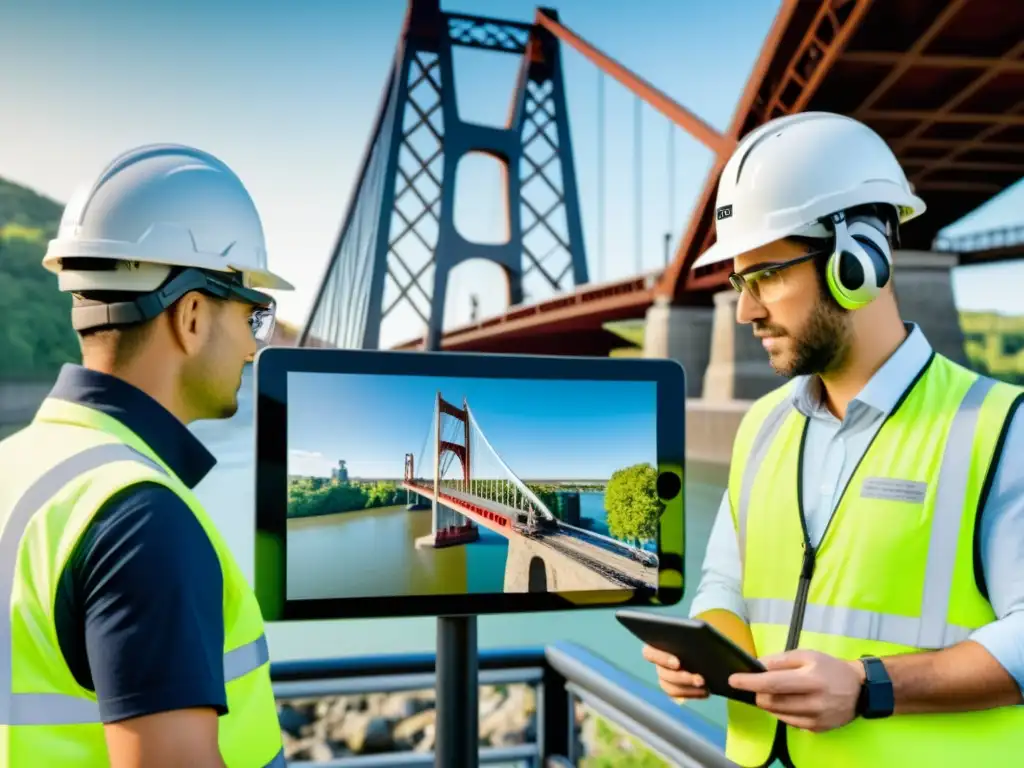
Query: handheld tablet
(401, 484)
(699, 647)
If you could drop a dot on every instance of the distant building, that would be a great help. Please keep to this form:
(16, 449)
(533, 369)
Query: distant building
(340, 474)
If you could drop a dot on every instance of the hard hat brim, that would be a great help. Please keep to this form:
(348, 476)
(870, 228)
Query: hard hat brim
(267, 280)
(910, 207)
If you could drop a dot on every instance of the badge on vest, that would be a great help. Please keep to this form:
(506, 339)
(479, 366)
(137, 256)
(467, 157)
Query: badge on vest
(893, 489)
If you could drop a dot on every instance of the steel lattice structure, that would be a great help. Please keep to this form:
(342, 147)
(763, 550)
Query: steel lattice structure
(399, 243)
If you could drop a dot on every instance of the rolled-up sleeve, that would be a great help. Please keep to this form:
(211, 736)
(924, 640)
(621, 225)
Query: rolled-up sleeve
(1001, 539)
(719, 586)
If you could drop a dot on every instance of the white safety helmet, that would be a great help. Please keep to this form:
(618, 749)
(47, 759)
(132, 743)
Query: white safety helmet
(794, 175)
(151, 210)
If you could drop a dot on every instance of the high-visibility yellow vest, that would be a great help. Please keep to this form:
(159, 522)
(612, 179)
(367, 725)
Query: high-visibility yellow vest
(893, 573)
(57, 473)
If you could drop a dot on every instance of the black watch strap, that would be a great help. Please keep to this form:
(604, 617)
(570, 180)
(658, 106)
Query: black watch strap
(876, 695)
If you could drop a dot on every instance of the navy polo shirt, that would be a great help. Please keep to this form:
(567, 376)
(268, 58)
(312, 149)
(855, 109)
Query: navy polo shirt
(138, 608)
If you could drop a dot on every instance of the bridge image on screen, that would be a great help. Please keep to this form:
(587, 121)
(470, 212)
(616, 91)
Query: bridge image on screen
(450, 513)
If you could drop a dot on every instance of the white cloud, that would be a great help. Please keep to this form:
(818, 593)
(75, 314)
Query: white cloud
(301, 462)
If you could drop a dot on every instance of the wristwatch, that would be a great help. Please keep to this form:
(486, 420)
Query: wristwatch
(876, 697)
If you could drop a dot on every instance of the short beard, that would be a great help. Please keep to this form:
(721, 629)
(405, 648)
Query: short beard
(820, 347)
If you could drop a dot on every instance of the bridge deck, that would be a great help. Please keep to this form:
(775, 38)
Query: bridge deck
(470, 506)
(571, 542)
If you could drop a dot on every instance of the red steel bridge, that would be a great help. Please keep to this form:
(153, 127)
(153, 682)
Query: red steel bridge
(940, 81)
(481, 490)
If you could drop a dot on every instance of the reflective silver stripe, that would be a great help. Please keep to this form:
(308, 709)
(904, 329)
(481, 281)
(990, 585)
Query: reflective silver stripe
(49, 708)
(758, 450)
(244, 659)
(278, 760)
(855, 623)
(950, 495)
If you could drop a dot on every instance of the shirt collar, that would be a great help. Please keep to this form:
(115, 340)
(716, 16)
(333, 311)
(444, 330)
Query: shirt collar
(884, 389)
(171, 440)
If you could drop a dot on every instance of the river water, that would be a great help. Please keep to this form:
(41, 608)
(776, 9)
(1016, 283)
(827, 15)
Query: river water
(327, 555)
(228, 496)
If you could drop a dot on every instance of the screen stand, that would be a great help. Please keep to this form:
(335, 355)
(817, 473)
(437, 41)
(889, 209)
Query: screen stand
(458, 713)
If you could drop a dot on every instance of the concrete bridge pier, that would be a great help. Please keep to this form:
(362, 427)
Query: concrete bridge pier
(682, 334)
(738, 366)
(532, 566)
(924, 292)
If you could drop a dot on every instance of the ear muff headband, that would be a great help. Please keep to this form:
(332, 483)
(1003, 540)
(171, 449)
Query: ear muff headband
(860, 264)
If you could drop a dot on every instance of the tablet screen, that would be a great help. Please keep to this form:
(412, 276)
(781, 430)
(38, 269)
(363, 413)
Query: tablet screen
(405, 485)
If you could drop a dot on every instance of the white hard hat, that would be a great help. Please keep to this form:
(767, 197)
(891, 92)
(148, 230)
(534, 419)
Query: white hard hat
(158, 207)
(790, 173)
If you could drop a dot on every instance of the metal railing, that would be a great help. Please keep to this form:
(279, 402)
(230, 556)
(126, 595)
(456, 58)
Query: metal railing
(560, 675)
(983, 240)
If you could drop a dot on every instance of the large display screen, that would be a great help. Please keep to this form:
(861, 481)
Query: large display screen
(408, 487)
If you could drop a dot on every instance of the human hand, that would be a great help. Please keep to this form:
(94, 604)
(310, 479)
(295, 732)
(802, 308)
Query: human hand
(676, 682)
(805, 689)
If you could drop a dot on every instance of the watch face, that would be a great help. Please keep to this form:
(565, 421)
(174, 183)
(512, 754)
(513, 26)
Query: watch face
(876, 693)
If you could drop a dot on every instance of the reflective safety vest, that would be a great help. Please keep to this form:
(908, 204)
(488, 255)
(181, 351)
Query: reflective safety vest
(57, 473)
(894, 572)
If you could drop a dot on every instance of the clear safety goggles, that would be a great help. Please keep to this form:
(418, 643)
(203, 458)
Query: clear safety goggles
(767, 284)
(261, 317)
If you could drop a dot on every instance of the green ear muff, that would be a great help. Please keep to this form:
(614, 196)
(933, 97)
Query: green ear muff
(861, 262)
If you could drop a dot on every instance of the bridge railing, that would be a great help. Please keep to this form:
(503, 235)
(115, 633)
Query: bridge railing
(562, 677)
(988, 239)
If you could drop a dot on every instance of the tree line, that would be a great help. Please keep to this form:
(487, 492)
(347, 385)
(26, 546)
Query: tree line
(36, 337)
(314, 496)
(631, 499)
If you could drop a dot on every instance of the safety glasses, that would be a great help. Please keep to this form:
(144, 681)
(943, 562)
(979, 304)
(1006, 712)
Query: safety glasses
(229, 287)
(769, 283)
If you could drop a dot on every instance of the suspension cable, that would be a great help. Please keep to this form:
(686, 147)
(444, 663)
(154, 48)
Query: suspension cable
(671, 165)
(600, 174)
(638, 175)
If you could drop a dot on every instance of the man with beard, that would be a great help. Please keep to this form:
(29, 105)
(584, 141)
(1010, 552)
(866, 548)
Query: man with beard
(130, 635)
(868, 547)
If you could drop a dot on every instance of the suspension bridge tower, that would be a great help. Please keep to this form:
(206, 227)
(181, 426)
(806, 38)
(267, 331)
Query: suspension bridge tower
(449, 527)
(399, 241)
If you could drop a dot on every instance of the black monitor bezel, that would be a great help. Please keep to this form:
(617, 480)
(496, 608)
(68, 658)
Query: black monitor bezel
(271, 369)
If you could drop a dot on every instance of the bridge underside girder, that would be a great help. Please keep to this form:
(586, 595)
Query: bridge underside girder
(943, 85)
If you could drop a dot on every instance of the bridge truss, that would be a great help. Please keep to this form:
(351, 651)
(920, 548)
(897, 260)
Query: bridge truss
(468, 471)
(399, 242)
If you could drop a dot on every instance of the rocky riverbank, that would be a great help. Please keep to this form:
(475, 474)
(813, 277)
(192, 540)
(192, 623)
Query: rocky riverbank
(320, 729)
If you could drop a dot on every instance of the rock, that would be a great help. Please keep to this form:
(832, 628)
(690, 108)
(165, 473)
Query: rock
(311, 748)
(506, 724)
(380, 723)
(412, 729)
(375, 703)
(292, 719)
(374, 736)
(403, 705)
(426, 744)
(350, 728)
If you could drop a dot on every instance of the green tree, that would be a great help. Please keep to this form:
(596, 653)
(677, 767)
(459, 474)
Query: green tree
(37, 336)
(631, 501)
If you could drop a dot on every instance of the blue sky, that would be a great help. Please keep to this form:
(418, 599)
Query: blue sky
(542, 429)
(286, 92)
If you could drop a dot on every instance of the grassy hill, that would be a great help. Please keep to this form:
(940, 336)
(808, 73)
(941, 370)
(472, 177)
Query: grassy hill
(35, 337)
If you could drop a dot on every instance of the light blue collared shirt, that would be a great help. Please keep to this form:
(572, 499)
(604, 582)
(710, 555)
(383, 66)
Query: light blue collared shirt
(832, 451)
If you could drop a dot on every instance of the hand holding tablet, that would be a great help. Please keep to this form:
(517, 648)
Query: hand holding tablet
(702, 651)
